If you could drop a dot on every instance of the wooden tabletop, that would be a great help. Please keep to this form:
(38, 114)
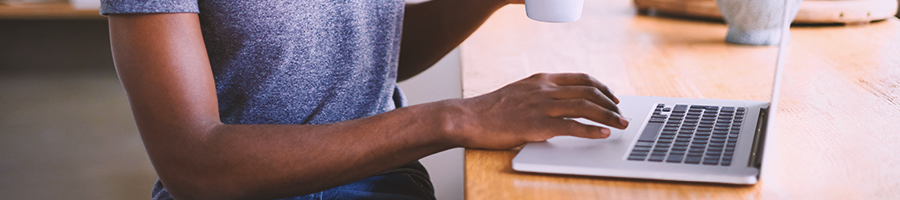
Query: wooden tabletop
(42, 11)
(838, 126)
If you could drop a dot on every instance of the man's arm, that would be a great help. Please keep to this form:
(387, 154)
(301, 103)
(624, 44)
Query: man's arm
(433, 28)
(162, 63)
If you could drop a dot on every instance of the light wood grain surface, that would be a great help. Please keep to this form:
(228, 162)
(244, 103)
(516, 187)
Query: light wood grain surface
(41, 11)
(838, 127)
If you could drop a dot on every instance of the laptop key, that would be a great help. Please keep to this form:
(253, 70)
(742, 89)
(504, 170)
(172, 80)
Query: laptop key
(697, 154)
(711, 162)
(650, 132)
(643, 144)
(700, 150)
(641, 149)
(675, 158)
(692, 159)
(679, 148)
(726, 163)
(657, 158)
(680, 108)
(681, 144)
(633, 157)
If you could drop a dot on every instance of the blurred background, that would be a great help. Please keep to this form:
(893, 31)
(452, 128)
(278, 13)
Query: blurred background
(66, 129)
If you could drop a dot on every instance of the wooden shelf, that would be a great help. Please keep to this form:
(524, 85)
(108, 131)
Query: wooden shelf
(40, 11)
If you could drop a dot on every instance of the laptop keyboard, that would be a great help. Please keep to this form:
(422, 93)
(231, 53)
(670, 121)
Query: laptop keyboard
(690, 134)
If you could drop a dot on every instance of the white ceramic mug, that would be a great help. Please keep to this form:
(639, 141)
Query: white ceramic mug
(755, 22)
(554, 10)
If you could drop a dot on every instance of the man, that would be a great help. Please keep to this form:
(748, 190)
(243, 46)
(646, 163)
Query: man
(277, 99)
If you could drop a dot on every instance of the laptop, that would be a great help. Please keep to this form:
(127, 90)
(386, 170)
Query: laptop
(676, 139)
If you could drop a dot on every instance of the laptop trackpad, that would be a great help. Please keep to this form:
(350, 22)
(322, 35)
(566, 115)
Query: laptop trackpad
(614, 134)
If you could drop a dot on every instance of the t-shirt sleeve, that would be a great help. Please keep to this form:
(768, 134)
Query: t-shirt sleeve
(148, 6)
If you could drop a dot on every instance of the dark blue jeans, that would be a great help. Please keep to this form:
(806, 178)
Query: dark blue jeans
(410, 181)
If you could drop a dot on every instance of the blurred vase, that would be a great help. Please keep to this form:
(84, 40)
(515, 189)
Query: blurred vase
(755, 22)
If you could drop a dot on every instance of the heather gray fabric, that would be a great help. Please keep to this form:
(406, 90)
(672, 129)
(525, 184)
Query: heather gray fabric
(294, 62)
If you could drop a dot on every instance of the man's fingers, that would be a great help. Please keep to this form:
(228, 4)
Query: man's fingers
(575, 108)
(584, 92)
(573, 128)
(582, 79)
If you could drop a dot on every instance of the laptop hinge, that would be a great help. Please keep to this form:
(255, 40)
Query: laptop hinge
(756, 153)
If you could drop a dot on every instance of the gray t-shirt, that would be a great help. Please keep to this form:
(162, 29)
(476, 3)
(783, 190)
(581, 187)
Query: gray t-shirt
(295, 62)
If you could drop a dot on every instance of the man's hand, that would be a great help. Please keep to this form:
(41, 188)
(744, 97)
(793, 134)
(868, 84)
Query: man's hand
(533, 109)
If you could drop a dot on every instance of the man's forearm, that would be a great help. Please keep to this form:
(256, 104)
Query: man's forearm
(434, 28)
(271, 161)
